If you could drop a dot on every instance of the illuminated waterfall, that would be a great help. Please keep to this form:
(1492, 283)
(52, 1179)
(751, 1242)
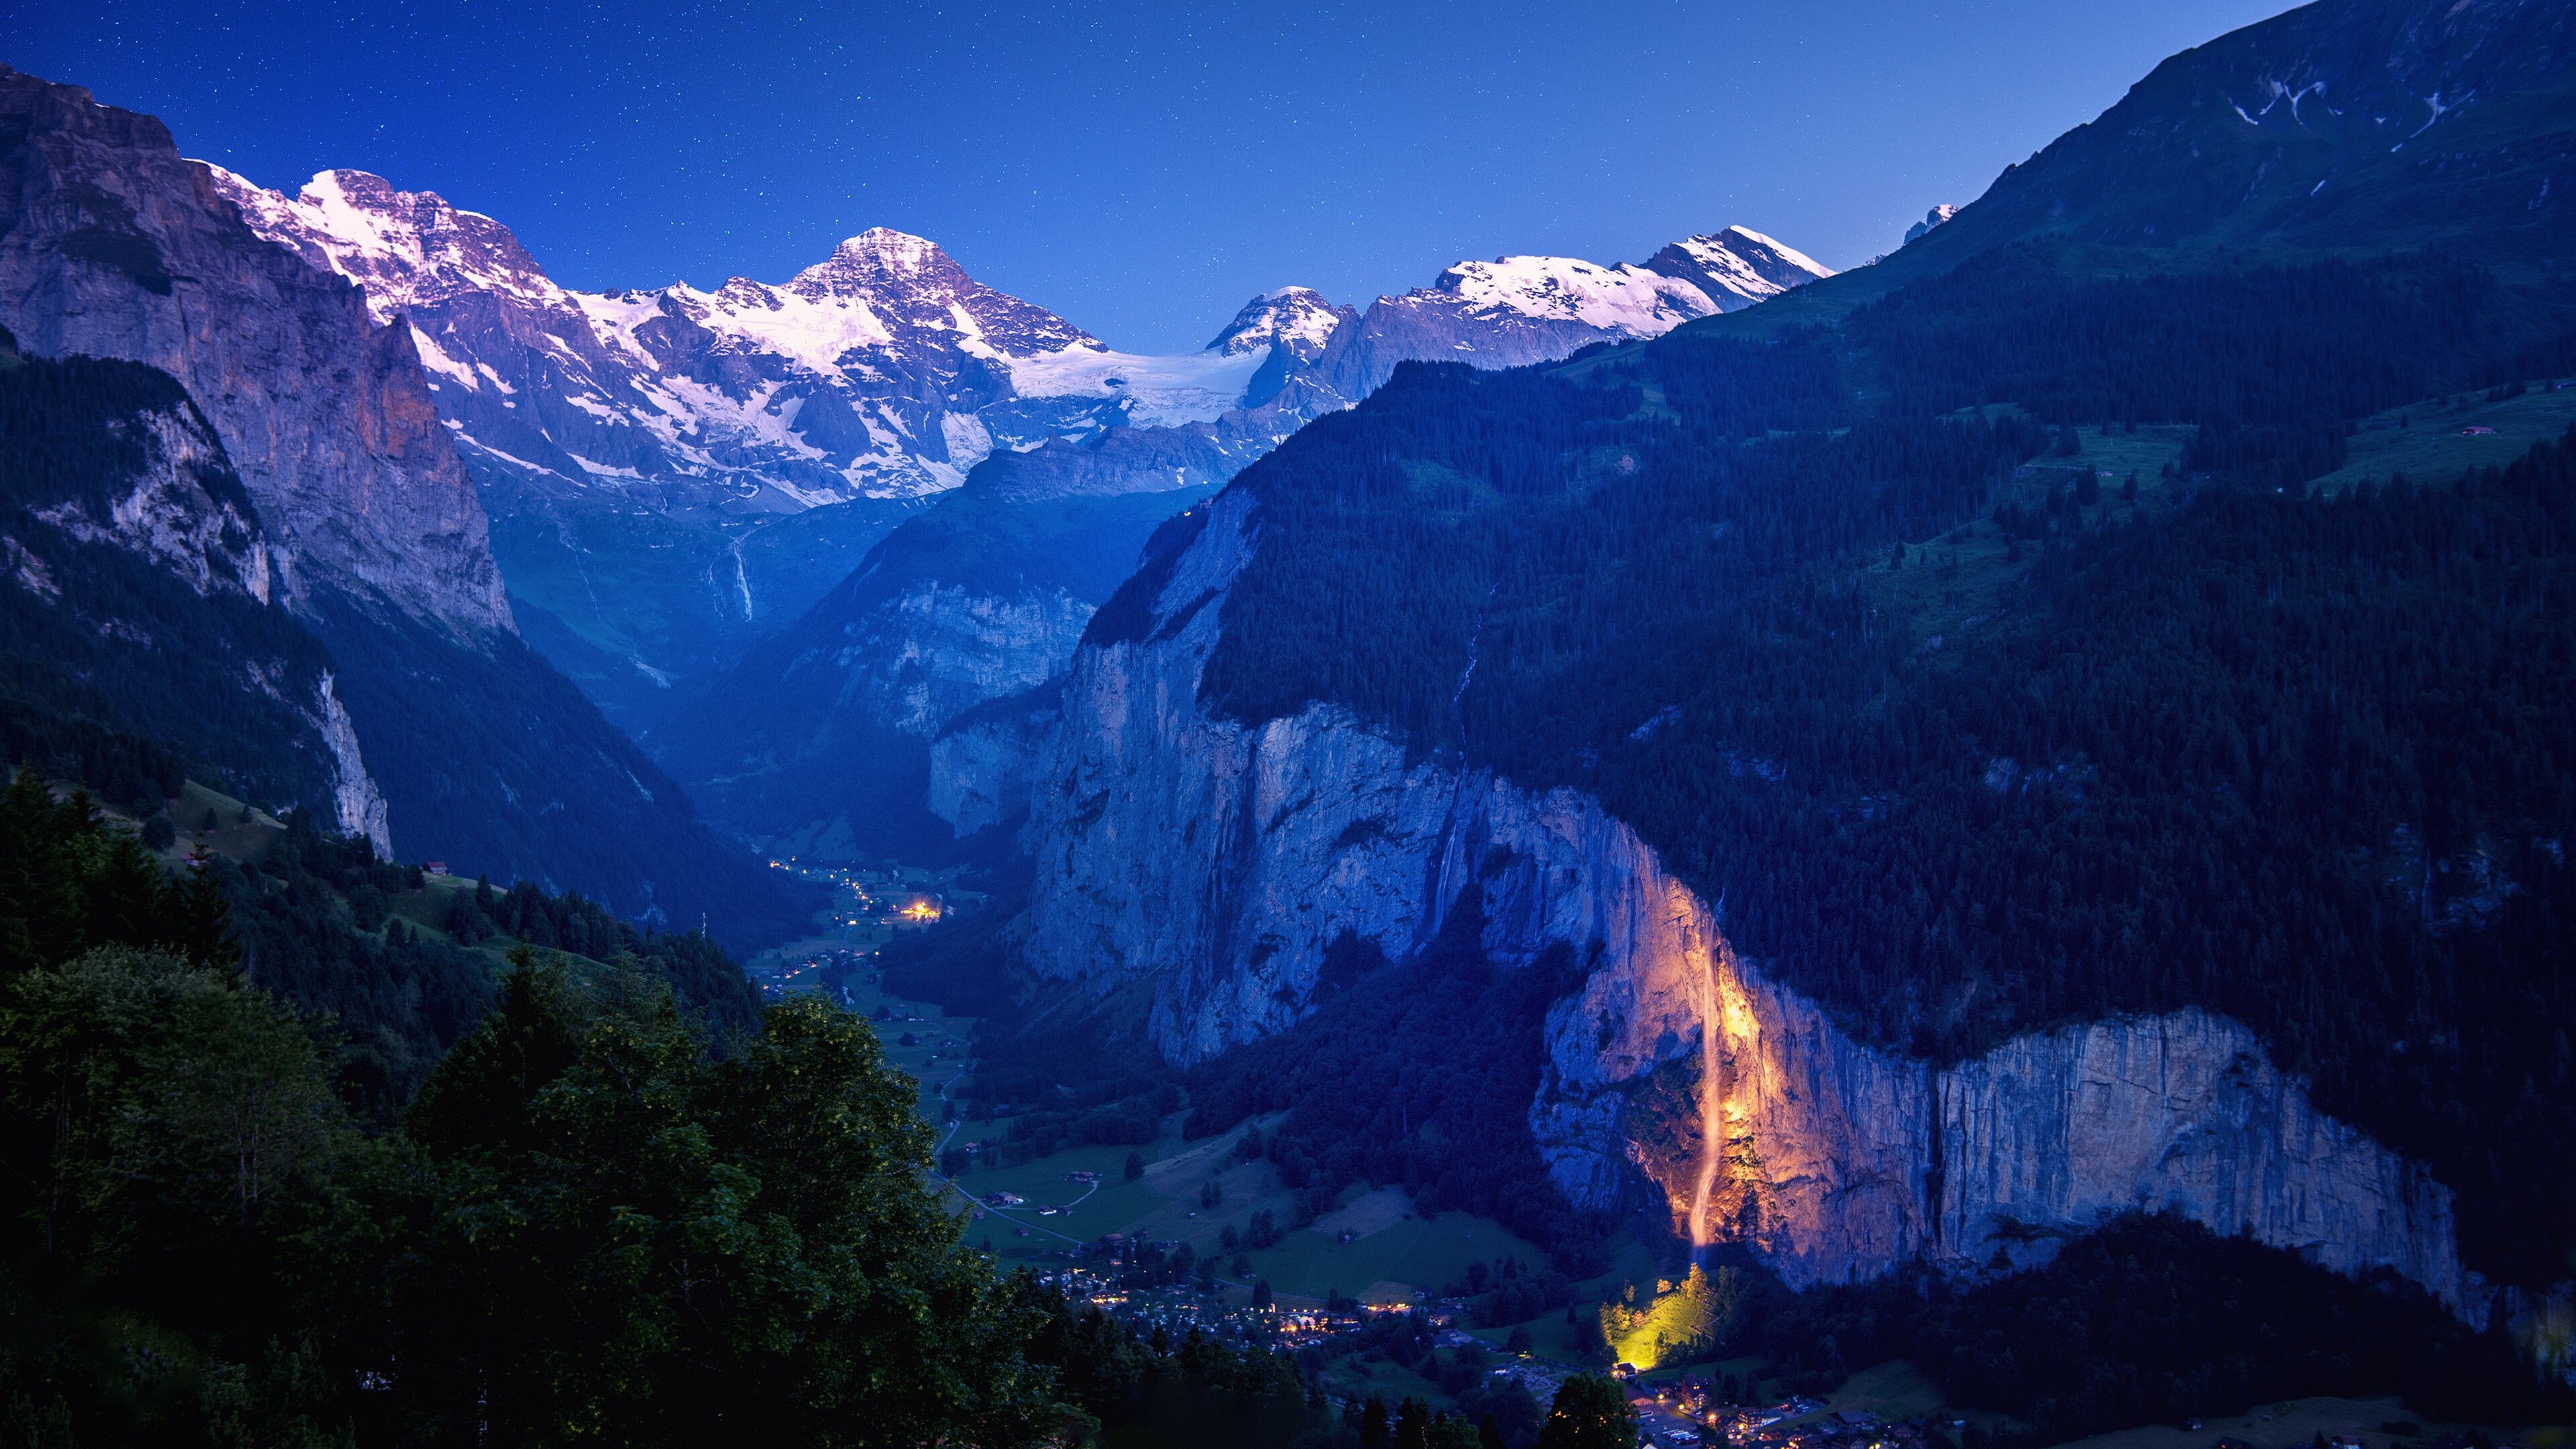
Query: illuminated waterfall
(1712, 1116)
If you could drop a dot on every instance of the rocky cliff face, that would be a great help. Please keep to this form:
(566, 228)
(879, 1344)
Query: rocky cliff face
(139, 577)
(1203, 867)
(182, 509)
(112, 245)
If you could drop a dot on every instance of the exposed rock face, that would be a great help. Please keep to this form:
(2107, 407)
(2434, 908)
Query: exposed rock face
(1297, 320)
(979, 597)
(738, 445)
(1203, 866)
(183, 509)
(112, 245)
(950, 649)
(1508, 312)
(186, 512)
(142, 579)
(1935, 217)
(357, 806)
(736, 451)
(1737, 267)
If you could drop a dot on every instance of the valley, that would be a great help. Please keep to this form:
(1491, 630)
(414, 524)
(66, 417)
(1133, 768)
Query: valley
(1960, 852)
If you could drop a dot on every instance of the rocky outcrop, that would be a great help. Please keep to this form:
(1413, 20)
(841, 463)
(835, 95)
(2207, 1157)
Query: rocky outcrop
(113, 246)
(1203, 866)
(1738, 267)
(181, 508)
(357, 806)
(1937, 216)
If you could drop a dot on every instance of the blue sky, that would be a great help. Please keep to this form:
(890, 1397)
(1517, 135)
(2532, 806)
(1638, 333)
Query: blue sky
(1140, 169)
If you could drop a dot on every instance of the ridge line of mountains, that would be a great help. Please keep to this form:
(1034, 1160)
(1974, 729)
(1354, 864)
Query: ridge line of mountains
(667, 479)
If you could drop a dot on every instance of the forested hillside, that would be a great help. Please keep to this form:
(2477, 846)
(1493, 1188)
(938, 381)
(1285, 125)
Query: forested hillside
(1971, 740)
(99, 639)
(623, 1206)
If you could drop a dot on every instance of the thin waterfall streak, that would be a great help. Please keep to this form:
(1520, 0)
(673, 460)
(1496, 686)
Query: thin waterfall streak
(1712, 1126)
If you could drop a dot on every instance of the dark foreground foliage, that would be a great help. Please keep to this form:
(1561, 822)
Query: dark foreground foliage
(587, 1227)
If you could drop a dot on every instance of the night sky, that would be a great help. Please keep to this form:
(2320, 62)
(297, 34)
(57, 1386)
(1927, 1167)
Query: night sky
(1141, 169)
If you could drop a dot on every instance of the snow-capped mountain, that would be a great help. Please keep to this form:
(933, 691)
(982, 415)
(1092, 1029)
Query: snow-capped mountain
(1514, 311)
(658, 463)
(1624, 299)
(986, 593)
(1935, 217)
(1737, 267)
(673, 473)
(867, 374)
(1298, 319)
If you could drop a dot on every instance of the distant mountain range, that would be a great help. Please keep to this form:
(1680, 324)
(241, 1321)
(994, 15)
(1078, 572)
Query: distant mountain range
(986, 593)
(699, 498)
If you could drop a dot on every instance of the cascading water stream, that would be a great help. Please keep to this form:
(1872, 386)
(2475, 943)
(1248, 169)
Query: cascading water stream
(1712, 1120)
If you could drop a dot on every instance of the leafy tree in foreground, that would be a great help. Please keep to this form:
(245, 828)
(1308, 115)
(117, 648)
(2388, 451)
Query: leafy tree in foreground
(635, 1243)
(588, 1229)
(1591, 1412)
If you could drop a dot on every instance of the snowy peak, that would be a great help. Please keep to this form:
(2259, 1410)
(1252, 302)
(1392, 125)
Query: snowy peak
(886, 252)
(406, 248)
(1619, 299)
(909, 282)
(1297, 319)
(1516, 311)
(1737, 267)
(1935, 217)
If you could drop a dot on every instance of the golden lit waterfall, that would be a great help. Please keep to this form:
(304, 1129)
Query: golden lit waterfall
(1712, 1116)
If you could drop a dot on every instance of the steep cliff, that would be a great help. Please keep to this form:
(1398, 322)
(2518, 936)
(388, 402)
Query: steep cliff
(980, 597)
(1205, 868)
(137, 596)
(113, 246)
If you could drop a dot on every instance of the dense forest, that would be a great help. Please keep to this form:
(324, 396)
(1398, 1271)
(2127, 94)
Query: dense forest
(2226, 742)
(586, 1226)
(607, 1215)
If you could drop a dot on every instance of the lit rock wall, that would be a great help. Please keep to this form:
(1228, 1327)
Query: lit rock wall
(1192, 871)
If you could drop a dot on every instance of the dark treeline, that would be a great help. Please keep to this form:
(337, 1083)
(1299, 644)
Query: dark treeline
(1559, 536)
(2299, 759)
(310, 920)
(702, 978)
(2152, 1320)
(2304, 761)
